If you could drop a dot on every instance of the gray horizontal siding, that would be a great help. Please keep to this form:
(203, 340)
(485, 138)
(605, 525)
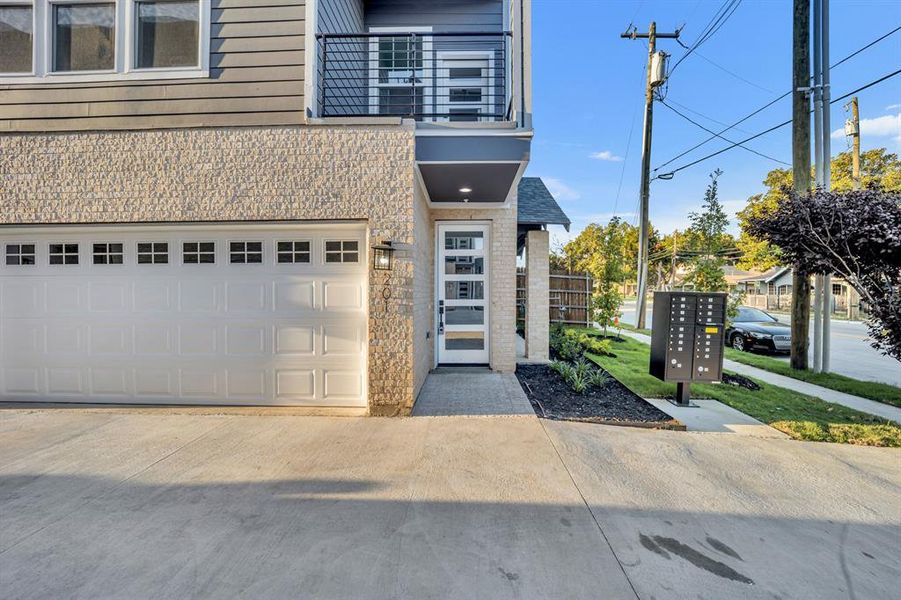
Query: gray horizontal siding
(257, 57)
(441, 15)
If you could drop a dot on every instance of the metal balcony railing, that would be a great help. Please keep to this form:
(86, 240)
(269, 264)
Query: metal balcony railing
(431, 77)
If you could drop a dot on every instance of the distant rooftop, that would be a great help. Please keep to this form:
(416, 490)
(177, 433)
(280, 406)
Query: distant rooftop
(536, 205)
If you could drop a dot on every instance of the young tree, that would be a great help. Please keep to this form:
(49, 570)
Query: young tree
(854, 234)
(607, 298)
(708, 229)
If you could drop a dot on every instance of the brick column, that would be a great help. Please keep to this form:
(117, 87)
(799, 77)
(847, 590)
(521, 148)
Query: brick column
(537, 294)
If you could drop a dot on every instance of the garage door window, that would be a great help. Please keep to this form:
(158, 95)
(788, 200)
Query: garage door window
(199, 253)
(293, 252)
(63, 254)
(342, 251)
(20, 254)
(108, 254)
(245, 252)
(153, 253)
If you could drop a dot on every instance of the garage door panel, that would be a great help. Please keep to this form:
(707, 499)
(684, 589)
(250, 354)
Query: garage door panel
(295, 384)
(294, 295)
(153, 338)
(152, 296)
(65, 380)
(64, 297)
(198, 383)
(199, 296)
(21, 380)
(339, 295)
(295, 339)
(109, 296)
(21, 299)
(110, 381)
(153, 382)
(197, 339)
(213, 333)
(112, 339)
(246, 297)
(23, 337)
(246, 340)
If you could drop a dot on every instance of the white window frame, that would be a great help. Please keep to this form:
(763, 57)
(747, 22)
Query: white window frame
(342, 252)
(245, 252)
(108, 253)
(153, 252)
(294, 252)
(374, 86)
(485, 84)
(125, 47)
(19, 254)
(199, 252)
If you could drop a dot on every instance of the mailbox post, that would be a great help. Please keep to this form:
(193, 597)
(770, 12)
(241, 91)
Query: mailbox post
(687, 339)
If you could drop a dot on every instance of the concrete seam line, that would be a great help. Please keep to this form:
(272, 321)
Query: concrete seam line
(115, 487)
(588, 506)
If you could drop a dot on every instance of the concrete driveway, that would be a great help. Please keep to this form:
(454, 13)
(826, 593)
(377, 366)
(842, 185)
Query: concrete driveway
(115, 503)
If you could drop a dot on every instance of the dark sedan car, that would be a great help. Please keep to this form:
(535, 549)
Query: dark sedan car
(754, 329)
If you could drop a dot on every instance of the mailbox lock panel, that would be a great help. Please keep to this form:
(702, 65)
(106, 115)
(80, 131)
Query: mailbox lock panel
(688, 336)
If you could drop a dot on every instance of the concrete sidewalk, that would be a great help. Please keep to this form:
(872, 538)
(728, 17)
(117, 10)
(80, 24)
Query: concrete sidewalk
(885, 411)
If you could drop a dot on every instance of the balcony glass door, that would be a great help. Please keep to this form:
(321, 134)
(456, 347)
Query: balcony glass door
(464, 86)
(462, 293)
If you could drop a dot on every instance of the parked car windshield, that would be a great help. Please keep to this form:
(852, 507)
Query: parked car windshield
(748, 314)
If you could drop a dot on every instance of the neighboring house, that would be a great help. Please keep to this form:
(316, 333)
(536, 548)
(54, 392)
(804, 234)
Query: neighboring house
(772, 290)
(192, 191)
(733, 275)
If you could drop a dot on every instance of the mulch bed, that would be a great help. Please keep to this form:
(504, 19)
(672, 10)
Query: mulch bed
(612, 404)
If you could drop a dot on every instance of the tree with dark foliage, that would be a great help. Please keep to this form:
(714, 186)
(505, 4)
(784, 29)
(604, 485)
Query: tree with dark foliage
(854, 234)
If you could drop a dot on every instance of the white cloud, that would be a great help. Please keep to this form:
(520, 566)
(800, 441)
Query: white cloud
(893, 107)
(606, 155)
(560, 191)
(884, 126)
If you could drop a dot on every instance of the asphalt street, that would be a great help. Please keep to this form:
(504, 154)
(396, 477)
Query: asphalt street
(851, 353)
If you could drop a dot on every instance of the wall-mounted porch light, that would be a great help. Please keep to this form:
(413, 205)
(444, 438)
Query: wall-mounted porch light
(383, 256)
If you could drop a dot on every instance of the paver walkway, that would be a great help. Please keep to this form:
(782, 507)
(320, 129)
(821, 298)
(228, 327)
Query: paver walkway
(872, 407)
(471, 392)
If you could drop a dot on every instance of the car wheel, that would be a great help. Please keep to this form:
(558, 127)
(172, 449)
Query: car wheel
(738, 342)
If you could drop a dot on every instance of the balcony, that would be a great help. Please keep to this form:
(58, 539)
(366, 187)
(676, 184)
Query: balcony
(433, 77)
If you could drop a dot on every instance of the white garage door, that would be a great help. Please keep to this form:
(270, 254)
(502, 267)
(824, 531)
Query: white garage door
(245, 314)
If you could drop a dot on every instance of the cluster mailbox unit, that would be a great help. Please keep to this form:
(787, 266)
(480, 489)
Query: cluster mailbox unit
(687, 339)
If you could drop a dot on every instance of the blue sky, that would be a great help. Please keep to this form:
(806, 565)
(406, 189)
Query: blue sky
(589, 86)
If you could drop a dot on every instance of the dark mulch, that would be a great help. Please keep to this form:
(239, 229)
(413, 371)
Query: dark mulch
(740, 381)
(612, 404)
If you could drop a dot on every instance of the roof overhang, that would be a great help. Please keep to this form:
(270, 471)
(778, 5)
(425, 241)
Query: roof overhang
(471, 170)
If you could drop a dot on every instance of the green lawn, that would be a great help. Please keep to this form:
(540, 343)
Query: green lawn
(800, 416)
(880, 392)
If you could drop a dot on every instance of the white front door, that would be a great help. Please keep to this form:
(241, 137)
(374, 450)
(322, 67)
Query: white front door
(462, 293)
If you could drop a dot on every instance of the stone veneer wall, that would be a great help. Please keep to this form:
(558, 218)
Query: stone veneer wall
(238, 174)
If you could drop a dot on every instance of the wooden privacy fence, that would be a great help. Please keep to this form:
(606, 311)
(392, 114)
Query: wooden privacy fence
(570, 298)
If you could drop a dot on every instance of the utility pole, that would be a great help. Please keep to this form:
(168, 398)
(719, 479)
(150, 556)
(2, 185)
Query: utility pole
(800, 323)
(823, 160)
(645, 190)
(852, 128)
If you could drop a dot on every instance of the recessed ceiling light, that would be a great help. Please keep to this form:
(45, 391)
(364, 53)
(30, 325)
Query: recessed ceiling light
(465, 190)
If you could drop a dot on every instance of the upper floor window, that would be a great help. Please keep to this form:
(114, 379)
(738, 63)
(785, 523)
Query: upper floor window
(16, 38)
(93, 40)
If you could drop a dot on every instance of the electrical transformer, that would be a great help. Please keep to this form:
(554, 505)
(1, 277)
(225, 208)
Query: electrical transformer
(688, 339)
(658, 68)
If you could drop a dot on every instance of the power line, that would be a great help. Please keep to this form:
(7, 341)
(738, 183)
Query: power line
(695, 123)
(736, 75)
(719, 18)
(775, 127)
(774, 101)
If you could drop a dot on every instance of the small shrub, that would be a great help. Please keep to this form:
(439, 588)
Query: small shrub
(563, 345)
(598, 378)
